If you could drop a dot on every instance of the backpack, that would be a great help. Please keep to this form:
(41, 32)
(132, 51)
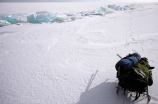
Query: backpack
(135, 78)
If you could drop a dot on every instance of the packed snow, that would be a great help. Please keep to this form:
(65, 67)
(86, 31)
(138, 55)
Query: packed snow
(65, 53)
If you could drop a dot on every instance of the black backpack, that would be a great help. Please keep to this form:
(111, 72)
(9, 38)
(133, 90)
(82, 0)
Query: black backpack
(136, 79)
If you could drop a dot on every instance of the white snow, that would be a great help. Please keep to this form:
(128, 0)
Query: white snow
(74, 62)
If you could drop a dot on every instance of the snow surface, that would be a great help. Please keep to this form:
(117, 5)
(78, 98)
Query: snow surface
(74, 62)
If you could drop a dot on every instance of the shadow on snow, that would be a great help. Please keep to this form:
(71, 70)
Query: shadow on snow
(105, 93)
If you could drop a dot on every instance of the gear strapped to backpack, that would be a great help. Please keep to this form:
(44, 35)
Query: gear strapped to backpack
(134, 74)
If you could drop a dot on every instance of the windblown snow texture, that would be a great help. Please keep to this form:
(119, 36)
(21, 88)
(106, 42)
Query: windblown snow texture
(72, 62)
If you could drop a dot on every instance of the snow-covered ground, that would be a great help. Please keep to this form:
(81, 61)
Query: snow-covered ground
(74, 62)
